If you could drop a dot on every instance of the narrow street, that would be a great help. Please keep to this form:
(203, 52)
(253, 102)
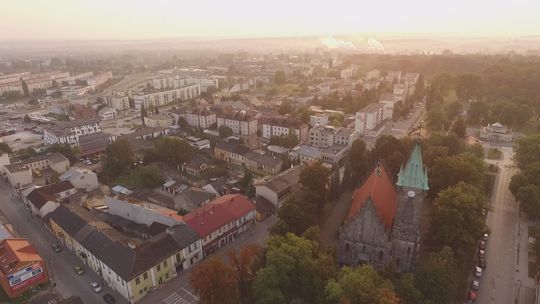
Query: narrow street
(505, 280)
(60, 264)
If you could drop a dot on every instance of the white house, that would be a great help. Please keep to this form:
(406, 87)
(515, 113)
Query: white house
(81, 178)
(369, 119)
(42, 200)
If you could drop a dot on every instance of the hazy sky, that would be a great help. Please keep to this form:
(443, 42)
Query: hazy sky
(128, 19)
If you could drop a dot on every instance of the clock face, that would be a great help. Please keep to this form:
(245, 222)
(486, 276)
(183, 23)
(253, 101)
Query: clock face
(411, 194)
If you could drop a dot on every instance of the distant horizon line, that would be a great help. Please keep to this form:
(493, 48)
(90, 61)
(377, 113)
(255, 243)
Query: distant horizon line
(248, 37)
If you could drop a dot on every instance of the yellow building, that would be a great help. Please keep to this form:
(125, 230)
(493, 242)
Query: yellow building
(131, 266)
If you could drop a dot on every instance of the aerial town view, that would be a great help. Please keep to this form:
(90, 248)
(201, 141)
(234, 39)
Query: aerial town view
(246, 152)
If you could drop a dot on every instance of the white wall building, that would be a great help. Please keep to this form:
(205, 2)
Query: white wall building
(162, 98)
(369, 118)
(241, 122)
(141, 212)
(318, 119)
(326, 136)
(69, 132)
(282, 126)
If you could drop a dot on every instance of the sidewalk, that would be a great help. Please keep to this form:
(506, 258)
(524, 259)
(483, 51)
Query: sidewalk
(525, 284)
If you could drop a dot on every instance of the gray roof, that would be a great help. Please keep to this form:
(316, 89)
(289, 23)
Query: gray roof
(197, 197)
(264, 159)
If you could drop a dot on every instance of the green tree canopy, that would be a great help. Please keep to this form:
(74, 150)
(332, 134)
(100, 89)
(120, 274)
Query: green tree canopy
(448, 171)
(173, 150)
(225, 131)
(118, 159)
(436, 275)
(527, 150)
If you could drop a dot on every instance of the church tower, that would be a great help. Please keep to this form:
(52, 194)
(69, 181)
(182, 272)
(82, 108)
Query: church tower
(412, 185)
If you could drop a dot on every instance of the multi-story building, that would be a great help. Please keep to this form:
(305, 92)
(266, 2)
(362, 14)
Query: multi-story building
(284, 126)
(177, 82)
(410, 80)
(318, 119)
(21, 267)
(400, 92)
(199, 117)
(230, 152)
(98, 79)
(220, 221)
(20, 173)
(393, 76)
(389, 101)
(373, 74)
(346, 73)
(69, 132)
(261, 163)
(107, 113)
(368, 120)
(162, 98)
(132, 266)
(118, 102)
(241, 122)
(326, 136)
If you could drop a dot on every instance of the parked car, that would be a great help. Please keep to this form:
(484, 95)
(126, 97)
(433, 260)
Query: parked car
(95, 287)
(78, 270)
(109, 299)
(475, 285)
(472, 296)
(56, 247)
(482, 262)
(478, 271)
(485, 237)
(482, 254)
(482, 245)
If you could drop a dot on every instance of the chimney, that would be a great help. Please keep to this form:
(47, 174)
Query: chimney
(169, 230)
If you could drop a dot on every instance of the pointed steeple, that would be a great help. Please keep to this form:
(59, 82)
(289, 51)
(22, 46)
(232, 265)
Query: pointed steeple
(414, 175)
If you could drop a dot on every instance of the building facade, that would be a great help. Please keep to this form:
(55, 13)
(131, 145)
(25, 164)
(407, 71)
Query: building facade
(241, 122)
(369, 119)
(69, 132)
(283, 126)
(324, 136)
(162, 98)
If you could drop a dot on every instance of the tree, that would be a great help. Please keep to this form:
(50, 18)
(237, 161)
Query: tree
(358, 160)
(527, 150)
(4, 148)
(468, 86)
(143, 114)
(452, 109)
(436, 118)
(288, 141)
(295, 215)
(360, 285)
(214, 282)
(436, 276)
(449, 171)
(296, 271)
(451, 141)
(457, 216)
(441, 84)
(335, 188)
(173, 150)
(146, 177)
(286, 107)
(459, 127)
(182, 123)
(25, 89)
(314, 180)
(224, 131)
(246, 263)
(529, 199)
(279, 77)
(118, 159)
(519, 180)
(478, 111)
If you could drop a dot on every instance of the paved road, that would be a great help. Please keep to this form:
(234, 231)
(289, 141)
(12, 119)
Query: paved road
(499, 282)
(67, 282)
(178, 290)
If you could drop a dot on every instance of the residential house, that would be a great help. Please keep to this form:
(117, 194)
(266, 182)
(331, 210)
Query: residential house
(230, 152)
(18, 175)
(261, 163)
(194, 198)
(217, 187)
(196, 166)
(43, 200)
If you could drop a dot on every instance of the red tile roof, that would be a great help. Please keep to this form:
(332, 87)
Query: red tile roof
(16, 253)
(218, 213)
(378, 187)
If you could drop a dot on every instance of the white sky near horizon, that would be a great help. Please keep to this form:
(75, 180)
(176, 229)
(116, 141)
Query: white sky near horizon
(138, 19)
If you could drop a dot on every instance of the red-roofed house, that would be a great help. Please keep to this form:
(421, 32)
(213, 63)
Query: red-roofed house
(21, 267)
(383, 222)
(221, 220)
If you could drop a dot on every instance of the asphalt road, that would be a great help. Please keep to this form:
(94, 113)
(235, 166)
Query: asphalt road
(60, 264)
(499, 283)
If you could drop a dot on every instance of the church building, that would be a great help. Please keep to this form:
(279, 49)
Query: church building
(383, 222)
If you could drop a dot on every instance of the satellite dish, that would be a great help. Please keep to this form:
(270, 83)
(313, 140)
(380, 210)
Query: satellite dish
(411, 194)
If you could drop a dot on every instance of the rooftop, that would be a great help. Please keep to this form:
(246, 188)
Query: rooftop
(15, 253)
(372, 107)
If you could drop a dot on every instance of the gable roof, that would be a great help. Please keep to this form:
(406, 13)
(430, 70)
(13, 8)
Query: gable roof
(414, 175)
(15, 253)
(217, 213)
(379, 189)
(40, 196)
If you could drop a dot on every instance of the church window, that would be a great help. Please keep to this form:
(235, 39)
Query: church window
(347, 247)
(381, 256)
(363, 248)
(409, 250)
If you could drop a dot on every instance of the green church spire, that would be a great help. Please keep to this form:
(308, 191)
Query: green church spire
(414, 175)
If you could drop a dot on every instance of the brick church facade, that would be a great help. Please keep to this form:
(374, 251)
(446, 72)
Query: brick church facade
(382, 225)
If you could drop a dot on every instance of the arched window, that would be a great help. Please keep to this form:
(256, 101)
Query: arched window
(397, 262)
(347, 247)
(409, 250)
(381, 256)
(363, 248)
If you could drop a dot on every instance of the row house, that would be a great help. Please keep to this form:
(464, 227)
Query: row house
(21, 173)
(131, 266)
(43, 200)
(230, 152)
(220, 221)
(283, 126)
(263, 164)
